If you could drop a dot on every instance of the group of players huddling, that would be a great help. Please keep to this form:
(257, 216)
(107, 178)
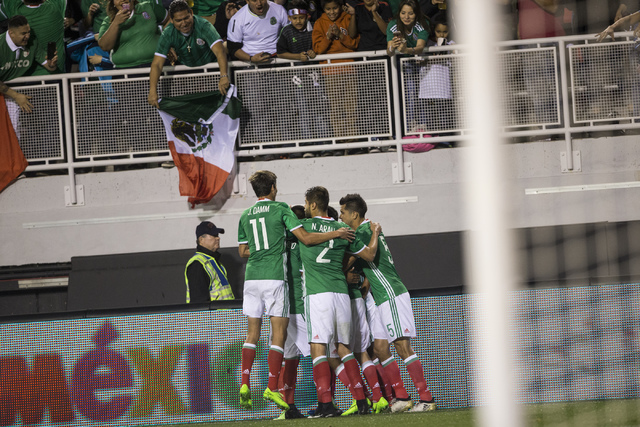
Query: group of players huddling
(328, 287)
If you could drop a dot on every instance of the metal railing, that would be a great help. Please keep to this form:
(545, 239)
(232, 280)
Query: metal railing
(558, 86)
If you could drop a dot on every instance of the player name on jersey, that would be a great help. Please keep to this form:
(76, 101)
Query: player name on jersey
(259, 209)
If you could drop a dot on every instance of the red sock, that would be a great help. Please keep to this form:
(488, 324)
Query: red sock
(414, 368)
(289, 377)
(392, 370)
(370, 374)
(333, 385)
(387, 390)
(322, 378)
(274, 360)
(248, 354)
(344, 378)
(353, 370)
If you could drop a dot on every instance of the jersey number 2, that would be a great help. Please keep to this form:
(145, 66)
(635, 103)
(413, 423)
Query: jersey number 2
(256, 237)
(320, 258)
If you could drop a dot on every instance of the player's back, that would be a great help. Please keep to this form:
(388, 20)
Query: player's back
(263, 228)
(322, 263)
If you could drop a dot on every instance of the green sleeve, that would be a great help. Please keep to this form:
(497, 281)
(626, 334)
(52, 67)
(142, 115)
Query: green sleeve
(242, 237)
(210, 34)
(423, 35)
(356, 246)
(164, 42)
(159, 11)
(290, 219)
(41, 52)
(389, 32)
(105, 26)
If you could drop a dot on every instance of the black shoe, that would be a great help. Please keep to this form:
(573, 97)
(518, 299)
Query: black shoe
(326, 410)
(292, 413)
(363, 407)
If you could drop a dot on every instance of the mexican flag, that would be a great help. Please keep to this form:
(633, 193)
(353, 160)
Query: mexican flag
(201, 130)
(12, 161)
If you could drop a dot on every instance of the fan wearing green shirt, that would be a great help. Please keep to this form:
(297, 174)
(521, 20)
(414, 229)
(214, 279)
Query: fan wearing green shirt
(195, 41)
(19, 51)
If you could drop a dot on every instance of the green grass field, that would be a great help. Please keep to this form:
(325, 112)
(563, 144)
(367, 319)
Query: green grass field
(596, 413)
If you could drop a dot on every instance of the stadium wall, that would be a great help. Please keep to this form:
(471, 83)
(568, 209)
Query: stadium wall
(175, 367)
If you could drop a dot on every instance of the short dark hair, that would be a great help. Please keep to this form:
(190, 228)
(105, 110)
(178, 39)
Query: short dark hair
(299, 211)
(298, 4)
(319, 196)
(262, 181)
(18, 21)
(326, 2)
(332, 212)
(354, 203)
(178, 6)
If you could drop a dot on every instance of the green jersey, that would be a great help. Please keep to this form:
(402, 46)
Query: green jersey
(206, 7)
(418, 32)
(263, 228)
(47, 24)
(322, 264)
(381, 272)
(17, 61)
(294, 267)
(138, 36)
(99, 16)
(194, 49)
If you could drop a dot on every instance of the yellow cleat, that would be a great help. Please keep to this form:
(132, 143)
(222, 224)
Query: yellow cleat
(245, 397)
(380, 406)
(276, 398)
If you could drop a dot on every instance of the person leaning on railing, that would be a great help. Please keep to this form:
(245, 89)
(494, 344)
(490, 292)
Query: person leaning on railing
(195, 42)
(19, 52)
(131, 32)
(621, 24)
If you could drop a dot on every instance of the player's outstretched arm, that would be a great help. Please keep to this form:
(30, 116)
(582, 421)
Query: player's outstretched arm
(369, 252)
(243, 251)
(310, 239)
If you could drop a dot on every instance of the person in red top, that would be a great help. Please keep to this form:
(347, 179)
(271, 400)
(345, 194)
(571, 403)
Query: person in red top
(330, 35)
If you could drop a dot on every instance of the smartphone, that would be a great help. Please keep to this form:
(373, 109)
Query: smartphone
(125, 6)
(51, 50)
(397, 34)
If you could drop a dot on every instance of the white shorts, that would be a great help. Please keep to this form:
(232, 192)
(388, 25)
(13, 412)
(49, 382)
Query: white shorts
(373, 316)
(328, 320)
(270, 297)
(360, 332)
(297, 342)
(396, 316)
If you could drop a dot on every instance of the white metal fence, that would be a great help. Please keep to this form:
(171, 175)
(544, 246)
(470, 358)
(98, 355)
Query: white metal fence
(549, 86)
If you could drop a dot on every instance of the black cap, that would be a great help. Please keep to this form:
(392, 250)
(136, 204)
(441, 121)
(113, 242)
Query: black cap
(207, 227)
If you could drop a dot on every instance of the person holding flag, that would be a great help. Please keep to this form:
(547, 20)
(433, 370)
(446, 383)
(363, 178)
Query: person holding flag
(195, 41)
(19, 53)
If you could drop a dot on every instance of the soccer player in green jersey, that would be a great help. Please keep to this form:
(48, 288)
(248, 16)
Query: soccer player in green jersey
(327, 302)
(19, 51)
(261, 238)
(394, 307)
(195, 41)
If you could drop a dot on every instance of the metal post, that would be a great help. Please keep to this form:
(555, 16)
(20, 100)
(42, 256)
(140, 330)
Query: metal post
(397, 118)
(66, 103)
(564, 100)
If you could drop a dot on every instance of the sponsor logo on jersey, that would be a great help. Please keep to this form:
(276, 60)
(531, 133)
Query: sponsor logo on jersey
(316, 337)
(25, 53)
(200, 42)
(406, 330)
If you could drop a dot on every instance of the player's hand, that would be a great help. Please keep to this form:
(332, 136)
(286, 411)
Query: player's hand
(352, 277)
(223, 85)
(376, 228)
(152, 99)
(23, 102)
(346, 233)
(603, 35)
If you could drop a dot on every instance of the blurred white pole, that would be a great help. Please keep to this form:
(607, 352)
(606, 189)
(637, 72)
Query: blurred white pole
(489, 249)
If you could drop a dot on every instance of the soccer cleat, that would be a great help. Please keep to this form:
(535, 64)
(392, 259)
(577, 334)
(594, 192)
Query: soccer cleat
(276, 398)
(282, 416)
(353, 409)
(292, 413)
(245, 397)
(424, 406)
(326, 410)
(380, 406)
(363, 406)
(401, 405)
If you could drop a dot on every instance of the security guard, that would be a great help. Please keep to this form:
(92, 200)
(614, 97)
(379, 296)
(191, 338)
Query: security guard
(205, 276)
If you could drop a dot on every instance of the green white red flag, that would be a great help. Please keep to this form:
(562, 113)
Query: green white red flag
(12, 160)
(201, 131)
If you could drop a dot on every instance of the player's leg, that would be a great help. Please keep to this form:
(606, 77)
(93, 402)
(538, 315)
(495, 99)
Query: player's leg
(377, 333)
(276, 300)
(252, 307)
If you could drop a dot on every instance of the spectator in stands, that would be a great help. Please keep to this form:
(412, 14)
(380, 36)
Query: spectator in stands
(539, 19)
(295, 43)
(622, 24)
(94, 13)
(205, 276)
(252, 36)
(230, 8)
(19, 52)
(196, 43)
(131, 32)
(72, 18)
(369, 21)
(46, 19)
(407, 34)
(331, 35)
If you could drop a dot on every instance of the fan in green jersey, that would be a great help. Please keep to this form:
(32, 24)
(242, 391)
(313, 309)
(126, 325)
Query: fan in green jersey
(19, 51)
(394, 306)
(194, 40)
(261, 237)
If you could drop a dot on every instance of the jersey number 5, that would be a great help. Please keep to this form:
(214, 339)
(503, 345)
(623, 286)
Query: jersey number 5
(256, 237)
